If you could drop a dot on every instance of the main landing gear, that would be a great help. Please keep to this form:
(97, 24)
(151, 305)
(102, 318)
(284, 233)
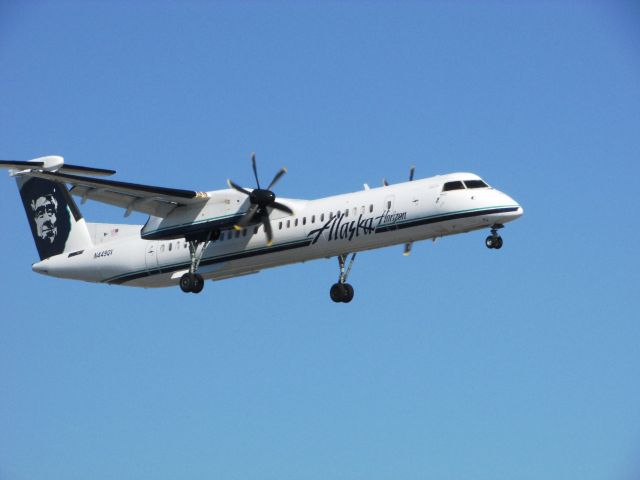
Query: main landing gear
(342, 292)
(494, 240)
(192, 281)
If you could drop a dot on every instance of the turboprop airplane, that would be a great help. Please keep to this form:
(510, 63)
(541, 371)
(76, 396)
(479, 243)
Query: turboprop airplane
(192, 236)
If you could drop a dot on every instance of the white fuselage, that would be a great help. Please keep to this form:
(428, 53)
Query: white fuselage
(371, 218)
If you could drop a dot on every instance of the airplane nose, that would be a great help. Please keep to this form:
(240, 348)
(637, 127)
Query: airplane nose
(511, 202)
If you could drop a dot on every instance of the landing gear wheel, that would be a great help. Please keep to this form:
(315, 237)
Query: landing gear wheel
(337, 292)
(489, 241)
(341, 292)
(348, 290)
(493, 241)
(187, 282)
(198, 283)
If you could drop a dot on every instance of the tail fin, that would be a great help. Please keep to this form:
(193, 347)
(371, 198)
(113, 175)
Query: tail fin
(56, 223)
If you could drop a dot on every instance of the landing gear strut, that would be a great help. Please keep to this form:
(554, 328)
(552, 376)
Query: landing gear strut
(494, 240)
(342, 292)
(192, 281)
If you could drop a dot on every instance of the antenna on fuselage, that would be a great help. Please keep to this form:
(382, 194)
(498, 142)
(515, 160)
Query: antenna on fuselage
(412, 170)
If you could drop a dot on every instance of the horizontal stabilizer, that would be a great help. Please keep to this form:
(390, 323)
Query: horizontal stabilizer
(18, 165)
(54, 163)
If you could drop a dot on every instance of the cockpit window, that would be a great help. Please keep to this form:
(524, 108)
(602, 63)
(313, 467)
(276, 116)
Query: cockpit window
(475, 184)
(453, 186)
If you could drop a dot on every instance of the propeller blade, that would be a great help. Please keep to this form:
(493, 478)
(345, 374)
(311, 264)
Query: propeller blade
(277, 177)
(247, 217)
(255, 169)
(281, 207)
(411, 172)
(384, 182)
(238, 187)
(407, 249)
(267, 230)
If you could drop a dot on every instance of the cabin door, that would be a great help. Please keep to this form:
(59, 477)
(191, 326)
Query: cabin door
(151, 255)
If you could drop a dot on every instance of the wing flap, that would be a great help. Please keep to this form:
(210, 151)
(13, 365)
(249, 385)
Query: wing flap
(66, 168)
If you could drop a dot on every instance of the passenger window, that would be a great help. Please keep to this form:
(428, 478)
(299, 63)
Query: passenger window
(371, 208)
(288, 223)
(346, 212)
(322, 217)
(237, 233)
(170, 246)
(388, 205)
(296, 223)
(244, 232)
(452, 186)
(279, 225)
(304, 220)
(313, 219)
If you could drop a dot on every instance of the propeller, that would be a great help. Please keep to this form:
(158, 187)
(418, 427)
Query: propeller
(408, 245)
(261, 199)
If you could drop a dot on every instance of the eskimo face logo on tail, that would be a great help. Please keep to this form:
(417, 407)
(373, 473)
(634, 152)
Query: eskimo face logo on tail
(46, 207)
(45, 214)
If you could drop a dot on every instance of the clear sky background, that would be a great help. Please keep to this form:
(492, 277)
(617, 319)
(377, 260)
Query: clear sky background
(457, 362)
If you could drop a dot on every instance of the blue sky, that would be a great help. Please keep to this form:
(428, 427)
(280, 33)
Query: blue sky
(456, 362)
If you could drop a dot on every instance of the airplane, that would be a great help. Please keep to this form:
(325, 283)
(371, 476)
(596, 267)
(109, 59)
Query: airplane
(191, 236)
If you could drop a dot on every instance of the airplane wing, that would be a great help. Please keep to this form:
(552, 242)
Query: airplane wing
(157, 201)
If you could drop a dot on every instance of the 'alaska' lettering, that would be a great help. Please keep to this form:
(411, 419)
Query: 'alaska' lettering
(339, 229)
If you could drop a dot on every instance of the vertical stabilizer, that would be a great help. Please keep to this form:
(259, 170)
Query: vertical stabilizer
(56, 223)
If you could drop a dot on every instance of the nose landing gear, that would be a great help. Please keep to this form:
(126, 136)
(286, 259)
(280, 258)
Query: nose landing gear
(494, 240)
(342, 292)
